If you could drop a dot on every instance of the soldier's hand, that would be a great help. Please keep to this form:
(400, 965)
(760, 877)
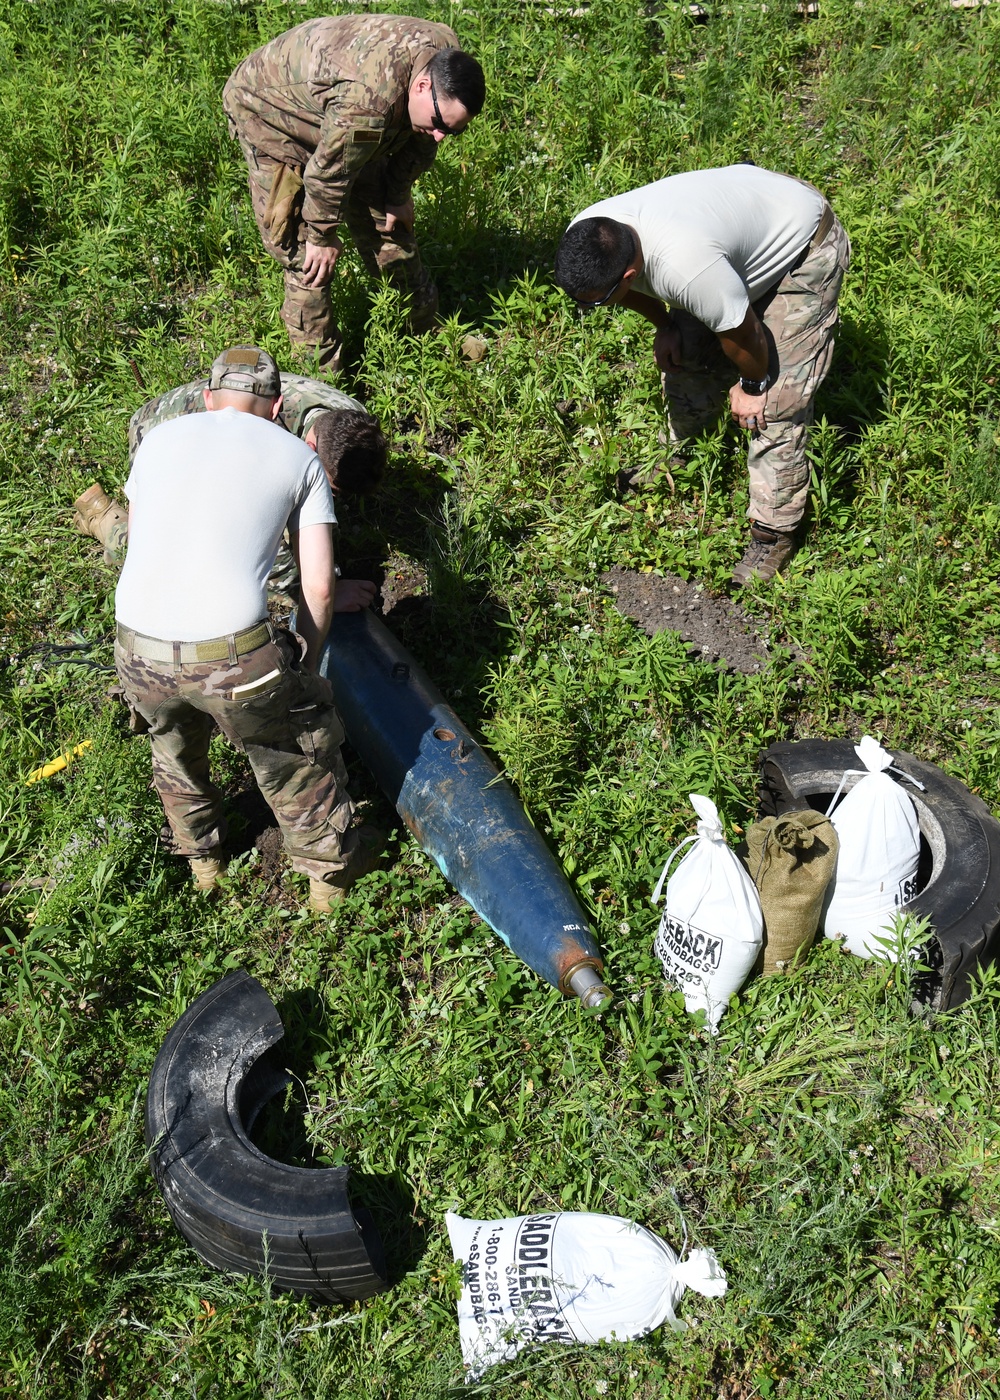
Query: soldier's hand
(353, 594)
(667, 349)
(317, 268)
(748, 410)
(399, 214)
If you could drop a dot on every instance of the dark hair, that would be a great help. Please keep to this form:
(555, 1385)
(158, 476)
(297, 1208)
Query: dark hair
(352, 448)
(593, 255)
(458, 75)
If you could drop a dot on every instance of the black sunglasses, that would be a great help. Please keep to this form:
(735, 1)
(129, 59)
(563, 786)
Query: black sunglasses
(439, 124)
(601, 301)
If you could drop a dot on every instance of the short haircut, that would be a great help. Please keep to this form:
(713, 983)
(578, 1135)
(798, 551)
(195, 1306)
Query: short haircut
(593, 256)
(458, 75)
(352, 449)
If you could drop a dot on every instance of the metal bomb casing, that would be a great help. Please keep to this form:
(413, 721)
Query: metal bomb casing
(458, 805)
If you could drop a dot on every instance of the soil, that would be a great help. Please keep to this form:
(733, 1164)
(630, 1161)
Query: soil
(403, 579)
(252, 828)
(715, 629)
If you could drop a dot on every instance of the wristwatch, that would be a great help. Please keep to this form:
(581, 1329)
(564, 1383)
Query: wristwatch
(755, 387)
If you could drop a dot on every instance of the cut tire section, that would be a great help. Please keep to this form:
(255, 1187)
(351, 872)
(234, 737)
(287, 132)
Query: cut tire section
(242, 1211)
(959, 873)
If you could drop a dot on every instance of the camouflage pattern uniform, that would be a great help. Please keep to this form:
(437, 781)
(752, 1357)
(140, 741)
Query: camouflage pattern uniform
(288, 729)
(321, 116)
(801, 314)
(302, 401)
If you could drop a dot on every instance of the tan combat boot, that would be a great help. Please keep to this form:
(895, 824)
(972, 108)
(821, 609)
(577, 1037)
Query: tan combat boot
(366, 844)
(207, 871)
(96, 514)
(767, 554)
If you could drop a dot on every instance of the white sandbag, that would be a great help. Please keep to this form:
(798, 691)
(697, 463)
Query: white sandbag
(712, 925)
(567, 1276)
(876, 871)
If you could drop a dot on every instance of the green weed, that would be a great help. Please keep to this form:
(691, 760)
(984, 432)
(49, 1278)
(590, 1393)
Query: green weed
(840, 1155)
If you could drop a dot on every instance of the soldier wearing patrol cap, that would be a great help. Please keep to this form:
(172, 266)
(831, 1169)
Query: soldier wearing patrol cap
(209, 497)
(348, 441)
(336, 119)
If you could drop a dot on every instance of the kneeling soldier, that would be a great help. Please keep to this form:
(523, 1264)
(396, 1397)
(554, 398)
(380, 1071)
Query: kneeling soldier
(210, 495)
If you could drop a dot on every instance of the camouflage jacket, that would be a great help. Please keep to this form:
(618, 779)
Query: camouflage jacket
(330, 96)
(302, 398)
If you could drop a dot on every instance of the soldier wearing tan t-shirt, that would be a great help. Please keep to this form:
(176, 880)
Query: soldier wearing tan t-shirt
(739, 270)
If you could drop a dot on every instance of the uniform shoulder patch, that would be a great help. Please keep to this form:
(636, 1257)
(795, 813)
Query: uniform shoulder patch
(361, 135)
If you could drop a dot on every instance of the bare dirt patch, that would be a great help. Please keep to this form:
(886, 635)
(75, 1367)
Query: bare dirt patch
(715, 629)
(252, 828)
(403, 579)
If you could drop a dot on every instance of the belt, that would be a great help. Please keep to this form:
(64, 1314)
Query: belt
(229, 648)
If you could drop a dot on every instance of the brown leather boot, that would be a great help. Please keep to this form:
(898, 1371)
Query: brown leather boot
(767, 554)
(365, 846)
(96, 514)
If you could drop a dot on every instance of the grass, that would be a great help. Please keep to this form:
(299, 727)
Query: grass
(840, 1156)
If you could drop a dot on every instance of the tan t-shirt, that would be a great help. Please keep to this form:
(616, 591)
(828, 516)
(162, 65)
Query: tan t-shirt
(715, 240)
(209, 496)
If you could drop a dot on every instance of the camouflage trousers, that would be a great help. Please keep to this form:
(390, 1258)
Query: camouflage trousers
(307, 311)
(799, 318)
(282, 718)
(115, 543)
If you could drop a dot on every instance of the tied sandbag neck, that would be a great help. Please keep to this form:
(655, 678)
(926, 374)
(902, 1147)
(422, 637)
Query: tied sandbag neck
(866, 772)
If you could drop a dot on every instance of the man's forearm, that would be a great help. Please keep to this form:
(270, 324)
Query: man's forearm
(313, 549)
(654, 311)
(313, 623)
(746, 346)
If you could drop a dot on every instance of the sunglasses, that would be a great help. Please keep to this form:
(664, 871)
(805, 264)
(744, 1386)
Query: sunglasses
(601, 301)
(439, 124)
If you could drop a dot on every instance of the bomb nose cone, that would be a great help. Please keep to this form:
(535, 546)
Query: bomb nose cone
(587, 985)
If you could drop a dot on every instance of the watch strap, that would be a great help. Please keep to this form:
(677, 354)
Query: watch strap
(755, 386)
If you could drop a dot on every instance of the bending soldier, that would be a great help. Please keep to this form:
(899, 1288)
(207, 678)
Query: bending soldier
(348, 441)
(209, 497)
(739, 270)
(336, 119)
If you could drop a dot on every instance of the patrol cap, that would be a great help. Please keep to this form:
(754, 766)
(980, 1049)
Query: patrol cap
(246, 370)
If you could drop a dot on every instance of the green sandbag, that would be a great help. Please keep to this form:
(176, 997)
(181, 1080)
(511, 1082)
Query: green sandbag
(791, 860)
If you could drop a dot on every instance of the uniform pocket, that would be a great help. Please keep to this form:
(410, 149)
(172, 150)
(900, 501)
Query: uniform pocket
(318, 729)
(284, 204)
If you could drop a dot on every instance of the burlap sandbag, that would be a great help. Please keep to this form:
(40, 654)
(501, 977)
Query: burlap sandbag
(791, 860)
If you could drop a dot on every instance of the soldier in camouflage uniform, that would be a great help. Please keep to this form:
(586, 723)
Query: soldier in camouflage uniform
(336, 119)
(694, 254)
(256, 681)
(349, 443)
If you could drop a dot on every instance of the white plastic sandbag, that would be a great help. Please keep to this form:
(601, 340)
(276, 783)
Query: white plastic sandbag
(567, 1276)
(712, 926)
(877, 862)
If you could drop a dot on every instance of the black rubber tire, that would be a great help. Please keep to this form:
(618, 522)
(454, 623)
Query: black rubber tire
(959, 874)
(210, 1080)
